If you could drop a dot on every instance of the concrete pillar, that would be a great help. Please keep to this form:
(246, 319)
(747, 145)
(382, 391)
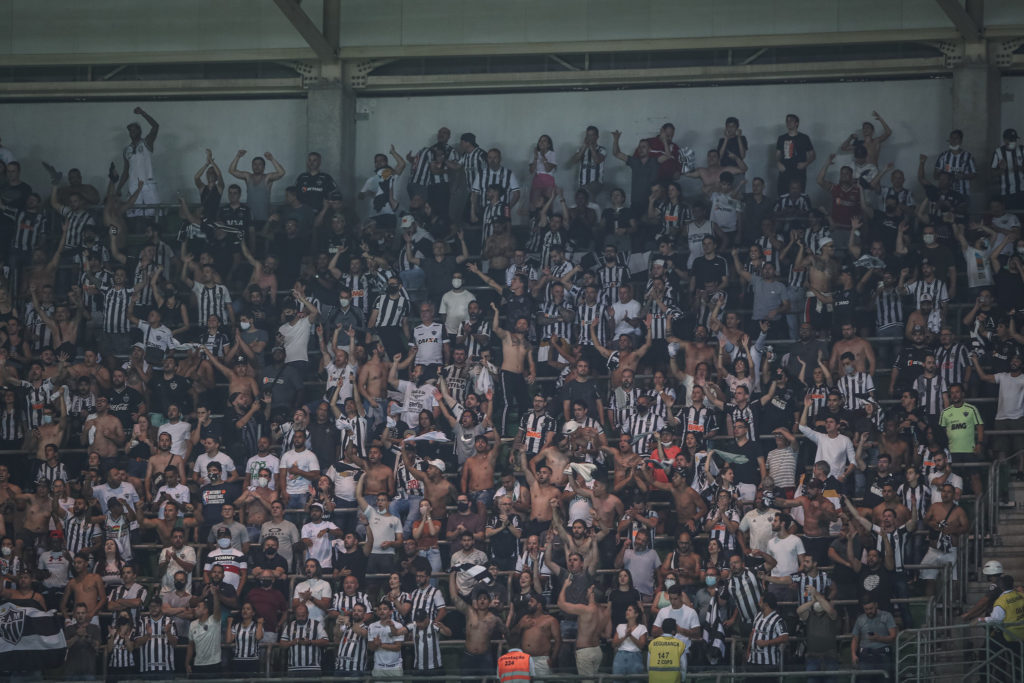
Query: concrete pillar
(330, 130)
(976, 111)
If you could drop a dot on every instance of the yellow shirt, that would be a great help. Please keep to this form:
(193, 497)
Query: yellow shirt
(1012, 603)
(664, 659)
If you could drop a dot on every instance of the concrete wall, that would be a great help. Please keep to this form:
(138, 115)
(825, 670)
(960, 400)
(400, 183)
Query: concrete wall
(91, 135)
(918, 111)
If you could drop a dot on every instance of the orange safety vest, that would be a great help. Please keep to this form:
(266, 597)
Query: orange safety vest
(513, 667)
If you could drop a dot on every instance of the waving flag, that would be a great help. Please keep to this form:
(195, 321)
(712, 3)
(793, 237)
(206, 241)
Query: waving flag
(30, 639)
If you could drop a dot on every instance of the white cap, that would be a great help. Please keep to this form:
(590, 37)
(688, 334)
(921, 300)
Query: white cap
(992, 568)
(570, 427)
(438, 463)
(407, 220)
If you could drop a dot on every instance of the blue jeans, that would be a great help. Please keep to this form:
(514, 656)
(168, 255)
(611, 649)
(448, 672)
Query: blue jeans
(375, 417)
(297, 501)
(627, 663)
(408, 506)
(433, 556)
(821, 664)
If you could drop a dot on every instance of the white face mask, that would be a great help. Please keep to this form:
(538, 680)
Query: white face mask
(344, 302)
(224, 542)
(244, 325)
(263, 482)
(954, 148)
(456, 282)
(669, 583)
(928, 239)
(6, 550)
(1011, 145)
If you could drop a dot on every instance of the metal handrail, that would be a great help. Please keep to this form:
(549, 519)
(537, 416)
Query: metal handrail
(917, 649)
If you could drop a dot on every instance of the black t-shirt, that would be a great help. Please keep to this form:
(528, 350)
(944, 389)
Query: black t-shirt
(843, 303)
(163, 392)
(794, 150)
(213, 498)
(747, 472)
(515, 306)
(584, 392)
(314, 188)
(355, 562)
(239, 217)
(731, 155)
(504, 544)
(910, 363)
(619, 601)
(880, 582)
(123, 403)
(779, 410)
(940, 257)
(706, 270)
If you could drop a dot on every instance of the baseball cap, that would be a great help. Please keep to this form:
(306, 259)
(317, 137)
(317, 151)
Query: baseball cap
(438, 463)
(317, 505)
(139, 345)
(570, 427)
(1010, 134)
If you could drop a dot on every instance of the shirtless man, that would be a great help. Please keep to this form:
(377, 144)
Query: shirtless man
(239, 376)
(540, 636)
(556, 460)
(39, 509)
(160, 461)
(165, 527)
(689, 505)
(379, 477)
(54, 433)
(478, 473)
(373, 383)
(595, 624)
(541, 495)
(8, 491)
(516, 357)
(580, 541)
(890, 501)
(42, 272)
(697, 351)
(894, 444)
(91, 368)
(628, 359)
(863, 353)
(819, 512)
(256, 500)
(686, 564)
(436, 488)
(710, 174)
(481, 626)
(109, 434)
(822, 271)
(85, 588)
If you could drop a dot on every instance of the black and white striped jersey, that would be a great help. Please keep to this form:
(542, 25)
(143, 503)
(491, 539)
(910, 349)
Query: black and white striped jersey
(499, 176)
(80, 533)
(550, 239)
(77, 222)
(40, 334)
(900, 540)
(819, 398)
(136, 590)
(429, 599)
(561, 327)
(903, 197)
(12, 424)
(813, 239)
(855, 389)
(426, 644)
(247, 645)
(215, 344)
(120, 656)
(720, 531)
(535, 429)
(303, 657)
(888, 308)
(30, 227)
(351, 650)
(481, 328)
(342, 602)
(141, 278)
(919, 496)
(591, 170)
(959, 162)
(769, 251)
(610, 277)
(213, 300)
(474, 163)
(745, 589)
(767, 627)
(936, 289)
(622, 402)
(700, 420)
(422, 173)
(585, 314)
(360, 286)
(36, 399)
(953, 363)
(51, 473)
(492, 212)
(804, 582)
(929, 392)
(661, 321)
(115, 309)
(643, 428)
(391, 312)
(157, 653)
(1011, 178)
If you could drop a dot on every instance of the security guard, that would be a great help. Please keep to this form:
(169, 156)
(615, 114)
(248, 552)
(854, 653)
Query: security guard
(665, 661)
(515, 666)
(1008, 609)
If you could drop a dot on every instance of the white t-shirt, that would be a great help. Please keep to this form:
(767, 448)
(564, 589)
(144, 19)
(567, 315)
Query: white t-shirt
(179, 436)
(227, 467)
(414, 399)
(103, 493)
(1007, 221)
(307, 462)
(455, 308)
(725, 211)
(186, 554)
(629, 645)
(296, 340)
(205, 637)
(979, 268)
(179, 493)
(385, 659)
(955, 479)
(321, 548)
(630, 309)
(257, 462)
(429, 341)
(786, 552)
(695, 235)
(159, 337)
(384, 527)
(685, 616)
(347, 373)
(837, 452)
(758, 526)
(318, 588)
(1011, 396)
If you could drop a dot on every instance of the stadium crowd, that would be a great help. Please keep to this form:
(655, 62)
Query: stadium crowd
(335, 434)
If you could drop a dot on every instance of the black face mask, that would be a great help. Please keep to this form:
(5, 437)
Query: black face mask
(393, 289)
(289, 317)
(266, 583)
(270, 552)
(179, 585)
(463, 507)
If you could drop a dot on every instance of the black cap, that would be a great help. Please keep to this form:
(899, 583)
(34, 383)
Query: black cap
(468, 137)
(1010, 134)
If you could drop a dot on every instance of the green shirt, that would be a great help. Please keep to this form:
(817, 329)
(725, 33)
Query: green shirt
(960, 425)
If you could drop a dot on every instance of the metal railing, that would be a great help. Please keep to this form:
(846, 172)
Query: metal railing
(962, 652)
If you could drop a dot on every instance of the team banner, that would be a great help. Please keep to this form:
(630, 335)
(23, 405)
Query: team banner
(30, 639)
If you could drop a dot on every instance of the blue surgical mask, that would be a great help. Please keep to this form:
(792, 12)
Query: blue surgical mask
(710, 580)
(224, 542)
(47, 419)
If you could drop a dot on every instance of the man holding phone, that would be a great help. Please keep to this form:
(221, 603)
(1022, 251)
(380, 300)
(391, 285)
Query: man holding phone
(873, 636)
